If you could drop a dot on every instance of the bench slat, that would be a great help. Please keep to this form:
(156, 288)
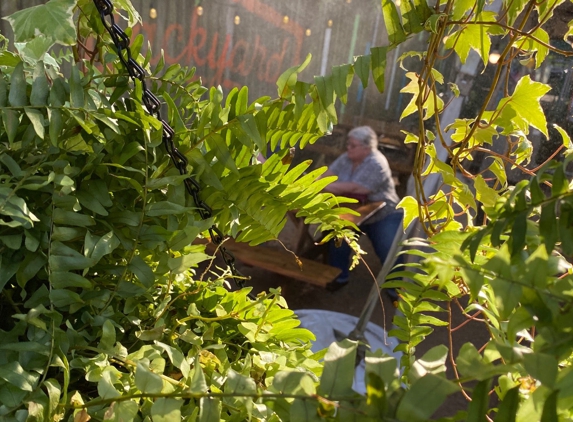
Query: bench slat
(280, 262)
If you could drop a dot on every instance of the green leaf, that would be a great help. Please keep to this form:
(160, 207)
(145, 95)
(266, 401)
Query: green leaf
(249, 126)
(121, 411)
(210, 410)
(327, 96)
(385, 367)
(217, 143)
(146, 381)
(107, 340)
(64, 258)
(104, 246)
(304, 411)
(293, 382)
(433, 362)
(166, 410)
(525, 101)
(177, 358)
(531, 44)
(411, 22)
(376, 396)
(3, 92)
(35, 50)
(14, 374)
(422, 9)
(11, 120)
(411, 210)
(163, 208)
(395, 30)
(550, 408)
(132, 13)
(424, 397)
(11, 396)
(184, 263)
(287, 81)
(469, 37)
(76, 90)
(63, 297)
(9, 59)
(17, 95)
(541, 366)
(432, 22)
(514, 8)
(56, 125)
(174, 115)
(362, 68)
(342, 77)
(40, 89)
(379, 65)
(37, 119)
(484, 193)
(338, 373)
(198, 383)
(70, 218)
(507, 409)
(507, 295)
(477, 411)
(142, 271)
(62, 280)
(460, 7)
(29, 267)
(239, 384)
(565, 136)
(53, 19)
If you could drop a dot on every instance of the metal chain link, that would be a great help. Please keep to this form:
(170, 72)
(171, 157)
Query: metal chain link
(153, 106)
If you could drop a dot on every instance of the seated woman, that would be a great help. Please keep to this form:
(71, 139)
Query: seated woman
(363, 171)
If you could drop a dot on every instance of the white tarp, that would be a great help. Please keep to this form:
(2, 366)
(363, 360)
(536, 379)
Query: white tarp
(322, 324)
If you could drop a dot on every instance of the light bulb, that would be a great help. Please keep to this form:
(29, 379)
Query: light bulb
(200, 11)
(494, 57)
(152, 12)
(329, 23)
(285, 19)
(308, 32)
(237, 20)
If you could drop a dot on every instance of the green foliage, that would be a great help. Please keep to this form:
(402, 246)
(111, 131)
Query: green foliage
(106, 315)
(104, 312)
(513, 273)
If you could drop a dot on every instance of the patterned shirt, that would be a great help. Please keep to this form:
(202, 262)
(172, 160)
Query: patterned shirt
(374, 174)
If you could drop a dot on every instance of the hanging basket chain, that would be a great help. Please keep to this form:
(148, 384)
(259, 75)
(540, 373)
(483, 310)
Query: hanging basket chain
(153, 106)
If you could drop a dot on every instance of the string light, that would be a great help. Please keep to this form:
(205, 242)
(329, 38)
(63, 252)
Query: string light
(308, 32)
(494, 57)
(152, 11)
(237, 20)
(285, 19)
(329, 23)
(200, 11)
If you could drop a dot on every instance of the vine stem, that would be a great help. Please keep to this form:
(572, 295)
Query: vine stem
(451, 353)
(190, 395)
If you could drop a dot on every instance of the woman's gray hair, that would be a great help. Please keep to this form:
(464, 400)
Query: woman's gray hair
(365, 135)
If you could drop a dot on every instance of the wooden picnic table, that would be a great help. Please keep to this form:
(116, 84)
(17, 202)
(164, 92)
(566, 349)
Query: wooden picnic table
(305, 241)
(284, 262)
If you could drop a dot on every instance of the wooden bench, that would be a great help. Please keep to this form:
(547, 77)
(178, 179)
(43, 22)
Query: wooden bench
(280, 261)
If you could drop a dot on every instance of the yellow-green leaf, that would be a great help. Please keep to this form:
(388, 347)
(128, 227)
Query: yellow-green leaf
(411, 209)
(525, 101)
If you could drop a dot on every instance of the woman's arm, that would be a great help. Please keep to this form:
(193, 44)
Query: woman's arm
(341, 188)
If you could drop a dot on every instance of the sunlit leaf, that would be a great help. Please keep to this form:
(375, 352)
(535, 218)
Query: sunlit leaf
(53, 19)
